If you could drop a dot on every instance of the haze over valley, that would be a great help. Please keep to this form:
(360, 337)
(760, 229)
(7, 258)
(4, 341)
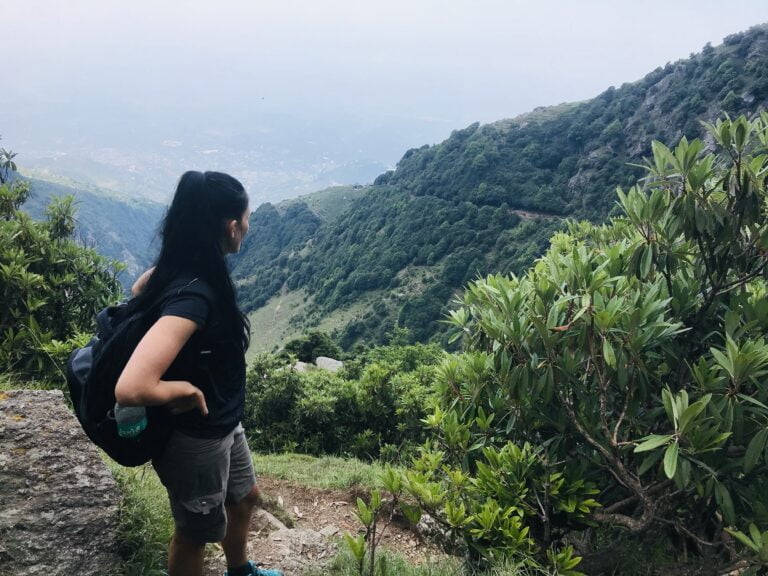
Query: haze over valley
(292, 98)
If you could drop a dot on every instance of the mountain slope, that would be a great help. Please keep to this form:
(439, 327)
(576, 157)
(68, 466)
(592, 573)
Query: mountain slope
(488, 198)
(117, 227)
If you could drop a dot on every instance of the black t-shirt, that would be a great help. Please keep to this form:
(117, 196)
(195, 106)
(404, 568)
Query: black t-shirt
(213, 360)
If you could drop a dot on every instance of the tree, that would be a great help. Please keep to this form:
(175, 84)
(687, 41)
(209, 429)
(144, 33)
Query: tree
(308, 347)
(50, 286)
(7, 164)
(619, 386)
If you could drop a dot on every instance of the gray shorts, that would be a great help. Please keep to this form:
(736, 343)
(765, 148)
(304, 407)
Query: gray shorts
(201, 475)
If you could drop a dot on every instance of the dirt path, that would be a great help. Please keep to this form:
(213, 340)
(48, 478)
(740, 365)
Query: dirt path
(330, 512)
(532, 214)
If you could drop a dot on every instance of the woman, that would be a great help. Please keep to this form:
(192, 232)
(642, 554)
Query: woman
(192, 361)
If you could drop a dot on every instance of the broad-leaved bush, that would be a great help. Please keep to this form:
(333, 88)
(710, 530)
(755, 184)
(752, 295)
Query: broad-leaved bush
(51, 286)
(619, 387)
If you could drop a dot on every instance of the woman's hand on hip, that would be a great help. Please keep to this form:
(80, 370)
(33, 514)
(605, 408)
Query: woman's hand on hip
(190, 399)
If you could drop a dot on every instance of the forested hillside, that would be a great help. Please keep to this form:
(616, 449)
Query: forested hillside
(117, 227)
(489, 197)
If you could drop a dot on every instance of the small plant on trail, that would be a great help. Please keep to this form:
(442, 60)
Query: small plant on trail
(376, 515)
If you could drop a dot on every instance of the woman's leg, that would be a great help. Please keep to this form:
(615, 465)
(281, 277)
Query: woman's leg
(185, 556)
(194, 471)
(238, 522)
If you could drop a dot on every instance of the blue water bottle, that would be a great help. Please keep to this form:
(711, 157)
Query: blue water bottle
(131, 420)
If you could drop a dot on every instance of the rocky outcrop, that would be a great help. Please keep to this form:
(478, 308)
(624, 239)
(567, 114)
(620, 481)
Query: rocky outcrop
(58, 501)
(302, 366)
(322, 362)
(329, 364)
(291, 550)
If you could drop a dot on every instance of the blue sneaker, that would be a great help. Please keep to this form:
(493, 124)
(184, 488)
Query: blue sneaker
(256, 571)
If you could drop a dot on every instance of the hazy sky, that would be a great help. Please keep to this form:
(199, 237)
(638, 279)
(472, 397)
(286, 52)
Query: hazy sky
(455, 60)
(443, 63)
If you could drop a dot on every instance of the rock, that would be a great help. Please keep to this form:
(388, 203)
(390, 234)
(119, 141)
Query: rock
(295, 550)
(58, 501)
(263, 521)
(329, 364)
(301, 366)
(429, 529)
(329, 531)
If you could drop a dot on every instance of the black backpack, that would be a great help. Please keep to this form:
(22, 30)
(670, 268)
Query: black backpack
(93, 371)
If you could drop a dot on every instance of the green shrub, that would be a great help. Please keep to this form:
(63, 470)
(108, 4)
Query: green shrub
(50, 287)
(377, 401)
(627, 367)
(271, 392)
(314, 344)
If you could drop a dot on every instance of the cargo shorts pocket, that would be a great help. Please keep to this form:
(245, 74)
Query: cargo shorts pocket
(202, 518)
(204, 505)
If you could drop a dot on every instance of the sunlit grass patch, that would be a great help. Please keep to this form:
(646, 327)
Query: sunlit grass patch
(322, 472)
(11, 381)
(6, 382)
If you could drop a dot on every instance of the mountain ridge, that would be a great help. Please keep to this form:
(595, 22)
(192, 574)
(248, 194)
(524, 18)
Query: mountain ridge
(452, 207)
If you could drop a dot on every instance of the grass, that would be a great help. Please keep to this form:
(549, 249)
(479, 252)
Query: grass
(6, 382)
(13, 382)
(387, 564)
(330, 203)
(517, 568)
(146, 525)
(390, 564)
(321, 472)
(291, 314)
(288, 316)
(271, 322)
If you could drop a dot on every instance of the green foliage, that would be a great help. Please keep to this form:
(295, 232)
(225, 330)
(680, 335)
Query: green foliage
(146, 525)
(272, 390)
(379, 511)
(313, 344)
(620, 383)
(268, 248)
(50, 286)
(391, 564)
(375, 516)
(119, 228)
(757, 543)
(373, 407)
(7, 164)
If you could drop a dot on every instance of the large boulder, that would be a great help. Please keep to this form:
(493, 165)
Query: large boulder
(329, 364)
(58, 501)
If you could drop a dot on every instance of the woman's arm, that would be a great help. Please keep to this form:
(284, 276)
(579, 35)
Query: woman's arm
(138, 286)
(140, 383)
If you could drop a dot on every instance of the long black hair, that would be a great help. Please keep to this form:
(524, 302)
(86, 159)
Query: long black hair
(192, 233)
